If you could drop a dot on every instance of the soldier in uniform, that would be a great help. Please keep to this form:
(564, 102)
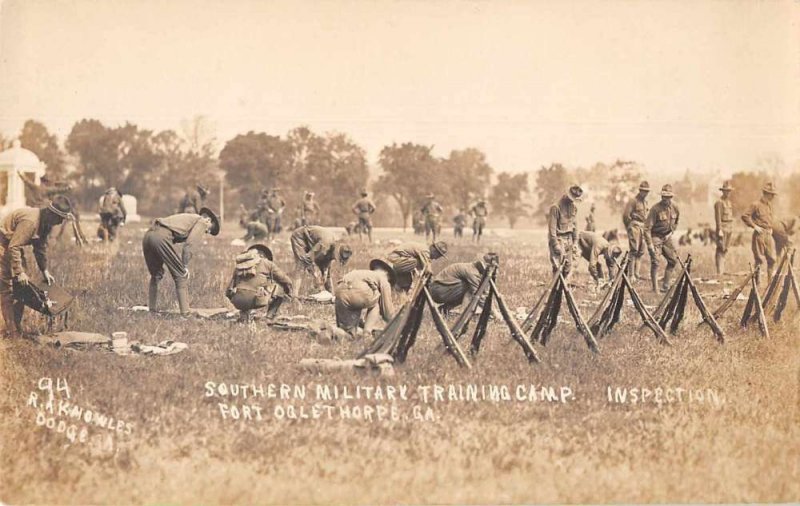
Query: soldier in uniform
(593, 248)
(112, 214)
(458, 280)
(562, 229)
(633, 217)
(317, 246)
(309, 210)
(479, 212)
(193, 200)
(27, 226)
(761, 218)
(362, 290)
(257, 282)
(590, 226)
(662, 220)
(406, 259)
(459, 222)
(723, 218)
(275, 207)
(364, 208)
(158, 246)
(256, 231)
(433, 213)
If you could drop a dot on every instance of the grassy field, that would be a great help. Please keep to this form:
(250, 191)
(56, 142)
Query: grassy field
(740, 443)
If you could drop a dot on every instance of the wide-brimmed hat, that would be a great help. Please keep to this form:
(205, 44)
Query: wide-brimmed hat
(666, 191)
(263, 249)
(441, 247)
(485, 260)
(380, 263)
(61, 206)
(616, 251)
(644, 186)
(364, 192)
(769, 188)
(343, 253)
(726, 186)
(575, 192)
(430, 195)
(215, 225)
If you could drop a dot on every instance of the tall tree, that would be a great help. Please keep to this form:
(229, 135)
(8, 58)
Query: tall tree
(507, 197)
(551, 182)
(253, 161)
(623, 183)
(36, 138)
(467, 175)
(409, 172)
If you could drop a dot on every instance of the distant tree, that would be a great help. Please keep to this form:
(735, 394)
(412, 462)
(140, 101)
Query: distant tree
(36, 138)
(623, 183)
(747, 189)
(507, 197)
(409, 172)
(253, 161)
(467, 176)
(551, 183)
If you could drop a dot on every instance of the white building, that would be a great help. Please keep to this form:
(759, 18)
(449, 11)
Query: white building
(12, 189)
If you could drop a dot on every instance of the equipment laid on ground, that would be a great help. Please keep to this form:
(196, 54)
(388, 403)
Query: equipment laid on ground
(545, 315)
(672, 307)
(607, 314)
(488, 288)
(400, 333)
(49, 300)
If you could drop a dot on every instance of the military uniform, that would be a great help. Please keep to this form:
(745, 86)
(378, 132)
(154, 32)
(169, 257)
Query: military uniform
(158, 246)
(593, 248)
(192, 202)
(310, 212)
(662, 220)
(479, 213)
(406, 259)
(760, 214)
(361, 290)
(590, 225)
(112, 213)
(723, 218)
(256, 231)
(20, 228)
(257, 282)
(314, 246)
(459, 222)
(633, 217)
(433, 212)
(562, 232)
(363, 208)
(454, 282)
(274, 211)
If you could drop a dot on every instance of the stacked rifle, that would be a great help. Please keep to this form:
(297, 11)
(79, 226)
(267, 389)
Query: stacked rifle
(773, 303)
(543, 317)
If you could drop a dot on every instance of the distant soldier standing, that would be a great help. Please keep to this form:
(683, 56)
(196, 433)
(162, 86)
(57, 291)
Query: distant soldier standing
(459, 222)
(112, 214)
(479, 212)
(27, 226)
(590, 226)
(761, 218)
(317, 246)
(364, 208)
(275, 207)
(433, 213)
(406, 259)
(593, 247)
(723, 218)
(309, 210)
(662, 220)
(158, 246)
(562, 229)
(633, 217)
(193, 200)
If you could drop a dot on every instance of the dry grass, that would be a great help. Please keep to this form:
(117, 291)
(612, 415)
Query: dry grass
(587, 450)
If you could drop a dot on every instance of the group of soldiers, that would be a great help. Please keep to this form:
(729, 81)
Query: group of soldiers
(427, 220)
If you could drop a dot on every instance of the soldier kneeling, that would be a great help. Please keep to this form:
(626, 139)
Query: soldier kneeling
(257, 282)
(361, 290)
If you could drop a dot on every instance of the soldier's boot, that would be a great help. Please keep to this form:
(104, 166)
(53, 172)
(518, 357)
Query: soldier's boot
(667, 279)
(19, 312)
(152, 294)
(274, 306)
(7, 308)
(654, 277)
(719, 262)
(182, 291)
(637, 263)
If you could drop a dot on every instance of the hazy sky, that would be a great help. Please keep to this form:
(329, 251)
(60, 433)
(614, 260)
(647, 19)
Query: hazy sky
(676, 85)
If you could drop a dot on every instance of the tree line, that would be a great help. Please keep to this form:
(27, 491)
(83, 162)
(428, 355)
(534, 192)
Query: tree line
(159, 166)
